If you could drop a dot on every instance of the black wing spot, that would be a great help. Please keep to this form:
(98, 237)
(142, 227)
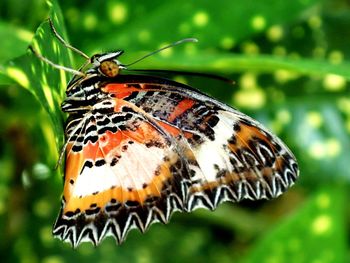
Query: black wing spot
(232, 140)
(92, 211)
(124, 147)
(87, 164)
(103, 122)
(91, 128)
(92, 139)
(127, 109)
(213, 120)
(236, 127)
(100, 162)
(77, 148)
(157, 172)
(114, 161)
(111, 208)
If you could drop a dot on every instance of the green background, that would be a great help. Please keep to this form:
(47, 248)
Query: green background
(290, 62)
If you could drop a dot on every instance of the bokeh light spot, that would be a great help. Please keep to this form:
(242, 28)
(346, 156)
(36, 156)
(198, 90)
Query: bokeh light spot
(315, 119)
(321, 225)
(284, 116)
(90, 21)
(315, 22)
(317, 150)
(250, 48)
(41, 171)
(248, 81)
(321, 149)
(333, 147)
(283, 76)
(42, 208)
(201, 19)
(258, 22)
(227, 42)
(118, 13)
(344, 105)
(250, 98)
(336, 57)
(334, 82)
(166, 52)
(275, 33)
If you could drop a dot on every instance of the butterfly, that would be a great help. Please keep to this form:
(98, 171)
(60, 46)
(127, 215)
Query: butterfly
(140, 147)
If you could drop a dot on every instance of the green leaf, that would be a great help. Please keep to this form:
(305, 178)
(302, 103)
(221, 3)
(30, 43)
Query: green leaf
(314, 233)
(44, 82)
(9, 35)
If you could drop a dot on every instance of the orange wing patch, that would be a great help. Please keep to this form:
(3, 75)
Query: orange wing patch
(143, 156)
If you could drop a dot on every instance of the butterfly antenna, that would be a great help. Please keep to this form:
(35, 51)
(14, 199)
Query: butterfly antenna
(70, 70)
(185, 40)
(67, 45)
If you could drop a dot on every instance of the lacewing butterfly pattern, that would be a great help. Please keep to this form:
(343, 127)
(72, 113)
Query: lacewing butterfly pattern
(140, 147)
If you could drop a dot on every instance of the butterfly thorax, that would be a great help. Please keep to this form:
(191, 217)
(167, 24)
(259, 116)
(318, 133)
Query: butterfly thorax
(83, 95)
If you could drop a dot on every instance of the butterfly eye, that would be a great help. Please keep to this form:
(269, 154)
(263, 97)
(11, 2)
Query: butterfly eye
(109, 68)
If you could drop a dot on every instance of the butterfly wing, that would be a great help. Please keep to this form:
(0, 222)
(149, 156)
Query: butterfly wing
(230, 156)
(156, 146)
(122, 172)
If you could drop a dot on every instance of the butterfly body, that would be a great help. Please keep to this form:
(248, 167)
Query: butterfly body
(141, 147)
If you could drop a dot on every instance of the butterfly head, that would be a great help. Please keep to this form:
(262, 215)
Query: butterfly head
(107, 64)
(84, 88)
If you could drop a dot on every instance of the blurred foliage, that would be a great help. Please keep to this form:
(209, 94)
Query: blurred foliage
(291, 63)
